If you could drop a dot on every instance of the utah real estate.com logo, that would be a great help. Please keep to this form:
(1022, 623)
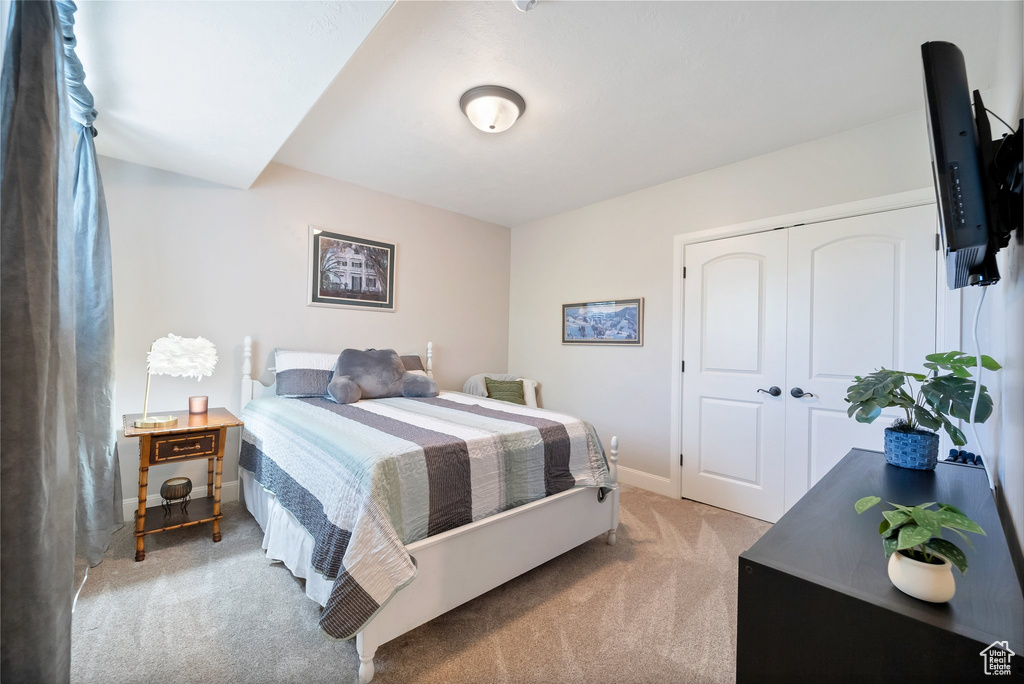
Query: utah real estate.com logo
(997, 658)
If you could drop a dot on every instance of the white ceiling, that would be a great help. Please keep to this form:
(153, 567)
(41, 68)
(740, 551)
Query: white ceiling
(212, 89)
(620, 95)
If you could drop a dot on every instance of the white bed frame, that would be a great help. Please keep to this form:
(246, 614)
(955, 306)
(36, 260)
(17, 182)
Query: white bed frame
(461, 564)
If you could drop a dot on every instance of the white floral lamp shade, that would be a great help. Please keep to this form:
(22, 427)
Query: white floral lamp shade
(185, 357)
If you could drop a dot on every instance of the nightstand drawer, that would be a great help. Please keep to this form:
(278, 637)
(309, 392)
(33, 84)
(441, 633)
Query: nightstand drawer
(192, 445)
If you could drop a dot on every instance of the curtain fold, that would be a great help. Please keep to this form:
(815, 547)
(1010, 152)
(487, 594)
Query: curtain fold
(38, 419)
(59, 479)
(99, 492)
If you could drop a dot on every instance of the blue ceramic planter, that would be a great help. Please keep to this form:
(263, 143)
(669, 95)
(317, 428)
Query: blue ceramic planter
(914, 450)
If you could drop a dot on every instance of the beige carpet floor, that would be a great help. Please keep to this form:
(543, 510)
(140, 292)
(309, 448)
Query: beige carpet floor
(660, 606)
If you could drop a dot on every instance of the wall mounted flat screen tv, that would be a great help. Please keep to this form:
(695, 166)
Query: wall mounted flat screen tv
(977, 180)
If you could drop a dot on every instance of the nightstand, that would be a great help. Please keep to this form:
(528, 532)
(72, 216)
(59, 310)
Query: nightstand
(194, 436)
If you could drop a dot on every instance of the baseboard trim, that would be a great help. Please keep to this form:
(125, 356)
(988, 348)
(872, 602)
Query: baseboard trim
(652, 483)
(228, 492)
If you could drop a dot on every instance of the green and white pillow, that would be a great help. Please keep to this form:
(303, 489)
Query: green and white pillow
(505, 390)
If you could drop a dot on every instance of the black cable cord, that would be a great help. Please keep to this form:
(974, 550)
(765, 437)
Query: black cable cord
(1000, 119)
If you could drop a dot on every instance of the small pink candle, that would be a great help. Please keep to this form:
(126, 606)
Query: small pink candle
(198, 404)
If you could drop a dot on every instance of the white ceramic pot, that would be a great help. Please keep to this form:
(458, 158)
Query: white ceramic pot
(925, 581)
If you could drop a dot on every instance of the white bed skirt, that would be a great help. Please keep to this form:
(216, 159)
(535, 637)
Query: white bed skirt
(284, 538)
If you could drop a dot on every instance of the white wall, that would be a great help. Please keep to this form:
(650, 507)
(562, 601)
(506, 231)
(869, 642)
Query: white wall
(623, 248)
(1005, 305)
(1001, 324)
(1007, 311)
(194, 258)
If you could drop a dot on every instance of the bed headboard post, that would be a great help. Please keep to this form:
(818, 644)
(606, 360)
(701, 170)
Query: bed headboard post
(430, 359)
(246, 371)
(613, 460)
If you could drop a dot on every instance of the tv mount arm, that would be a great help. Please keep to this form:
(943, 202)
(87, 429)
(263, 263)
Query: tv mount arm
(1003, 161)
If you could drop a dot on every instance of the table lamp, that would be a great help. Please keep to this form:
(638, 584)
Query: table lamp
(183, 357)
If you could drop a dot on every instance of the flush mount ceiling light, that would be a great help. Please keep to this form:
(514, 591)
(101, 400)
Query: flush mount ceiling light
(492, 109)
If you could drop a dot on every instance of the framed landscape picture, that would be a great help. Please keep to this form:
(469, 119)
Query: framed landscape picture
(618, 322)
(350, 272)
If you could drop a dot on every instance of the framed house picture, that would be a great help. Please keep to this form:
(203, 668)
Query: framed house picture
(353, 272)
(619, 322)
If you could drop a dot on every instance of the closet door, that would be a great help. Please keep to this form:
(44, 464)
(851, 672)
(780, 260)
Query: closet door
(861, 296)
(733, 435)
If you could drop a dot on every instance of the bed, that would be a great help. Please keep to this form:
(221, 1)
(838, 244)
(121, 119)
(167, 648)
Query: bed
(397, 510)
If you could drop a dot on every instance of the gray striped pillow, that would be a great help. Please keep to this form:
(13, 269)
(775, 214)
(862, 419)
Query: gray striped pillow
(303, 374)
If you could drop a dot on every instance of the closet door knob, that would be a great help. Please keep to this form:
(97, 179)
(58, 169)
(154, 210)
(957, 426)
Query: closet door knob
(799, 393)
(773, 390)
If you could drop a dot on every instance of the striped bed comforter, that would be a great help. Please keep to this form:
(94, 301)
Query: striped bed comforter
(365, 479)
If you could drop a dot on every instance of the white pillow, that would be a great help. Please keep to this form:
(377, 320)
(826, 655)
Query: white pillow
(477, 387)
(529, 391)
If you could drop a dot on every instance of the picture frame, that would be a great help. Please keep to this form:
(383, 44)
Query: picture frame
(350, 272)
(616, 322)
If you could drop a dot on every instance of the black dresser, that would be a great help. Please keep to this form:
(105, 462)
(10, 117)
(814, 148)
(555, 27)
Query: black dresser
(816, 603)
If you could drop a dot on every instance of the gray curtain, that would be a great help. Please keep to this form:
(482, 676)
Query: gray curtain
(51, 458)
(38, 422)
(99, 489)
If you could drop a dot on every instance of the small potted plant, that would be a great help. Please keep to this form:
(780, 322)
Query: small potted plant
(920, 560)
(947, 391)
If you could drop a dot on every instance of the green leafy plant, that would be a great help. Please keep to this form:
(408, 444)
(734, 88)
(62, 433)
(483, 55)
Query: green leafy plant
(947, 390)
(916, 531)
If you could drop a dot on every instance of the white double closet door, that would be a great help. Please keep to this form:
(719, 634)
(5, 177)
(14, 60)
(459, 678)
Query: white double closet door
(801, 309)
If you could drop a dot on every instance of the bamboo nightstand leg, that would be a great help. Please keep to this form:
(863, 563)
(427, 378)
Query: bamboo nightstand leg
(216, 490)
(209, 474)
(140, 516)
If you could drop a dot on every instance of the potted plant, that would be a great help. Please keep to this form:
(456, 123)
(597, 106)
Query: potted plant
(946, 391)
(920, 560)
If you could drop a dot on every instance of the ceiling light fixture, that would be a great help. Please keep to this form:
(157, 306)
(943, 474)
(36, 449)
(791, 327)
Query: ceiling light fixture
(492, 109)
